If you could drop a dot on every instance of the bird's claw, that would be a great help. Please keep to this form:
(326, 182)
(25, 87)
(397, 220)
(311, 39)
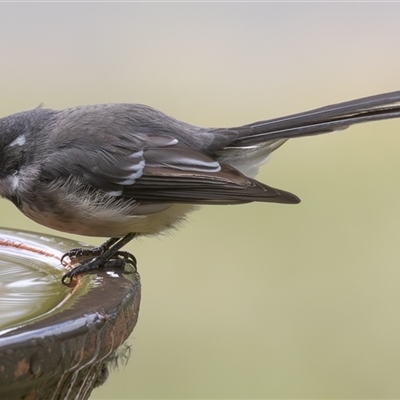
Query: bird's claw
(80, 253)
(118, 261)
(106, 255)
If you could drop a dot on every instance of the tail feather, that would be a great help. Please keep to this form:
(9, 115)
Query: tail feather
(321, 120)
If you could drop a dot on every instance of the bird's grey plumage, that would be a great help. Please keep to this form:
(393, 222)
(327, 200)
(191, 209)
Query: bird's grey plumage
(107, 170)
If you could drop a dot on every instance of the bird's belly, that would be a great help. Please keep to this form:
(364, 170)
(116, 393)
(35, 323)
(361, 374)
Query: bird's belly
(105, 223)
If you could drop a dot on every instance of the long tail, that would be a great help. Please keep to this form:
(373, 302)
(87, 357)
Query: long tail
(321, 120)
(250, 145)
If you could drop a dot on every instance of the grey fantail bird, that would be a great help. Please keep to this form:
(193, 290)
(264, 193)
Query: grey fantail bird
(121, 170)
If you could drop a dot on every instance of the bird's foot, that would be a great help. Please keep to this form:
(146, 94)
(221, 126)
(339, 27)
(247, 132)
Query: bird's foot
(81, 255)
(118, 261)
(106, 255)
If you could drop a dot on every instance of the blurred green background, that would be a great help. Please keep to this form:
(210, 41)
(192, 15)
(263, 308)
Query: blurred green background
(253, 301)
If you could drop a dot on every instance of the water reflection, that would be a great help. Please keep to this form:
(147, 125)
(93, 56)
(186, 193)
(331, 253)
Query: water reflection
(29, 287)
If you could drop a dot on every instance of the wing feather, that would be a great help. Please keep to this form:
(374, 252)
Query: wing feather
(164, 171)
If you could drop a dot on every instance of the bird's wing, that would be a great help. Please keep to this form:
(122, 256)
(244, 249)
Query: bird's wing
(163, 171)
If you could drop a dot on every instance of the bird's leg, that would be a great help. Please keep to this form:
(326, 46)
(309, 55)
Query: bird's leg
(108, 254)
